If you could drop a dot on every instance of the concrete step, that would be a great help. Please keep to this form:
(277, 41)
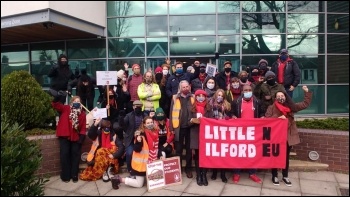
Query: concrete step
(292, 154)
(298, 165)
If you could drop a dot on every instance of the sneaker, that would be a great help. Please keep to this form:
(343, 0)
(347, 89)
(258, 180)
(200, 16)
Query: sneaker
(255, 178)
(105, 177)
(235, 178)
(275, 180)
(163, 154)
(287, 181)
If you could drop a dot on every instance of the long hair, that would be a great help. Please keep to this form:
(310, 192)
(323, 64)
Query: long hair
(144, 77)
(289, 101)
(142, 127)
(226, 104)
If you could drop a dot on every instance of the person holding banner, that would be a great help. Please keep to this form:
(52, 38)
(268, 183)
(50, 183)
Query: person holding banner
(283, 107)
(246, 106)
(200, 108)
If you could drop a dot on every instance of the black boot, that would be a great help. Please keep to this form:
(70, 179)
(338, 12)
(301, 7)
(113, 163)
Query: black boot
(223, 177)
(204, 177)
(199, 179)
(214, 175)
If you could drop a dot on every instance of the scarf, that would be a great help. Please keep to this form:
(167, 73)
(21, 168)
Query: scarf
(74, 117)
(153, 141)
(106, 140)
(112, 103)
(282, 108)
(200, 107)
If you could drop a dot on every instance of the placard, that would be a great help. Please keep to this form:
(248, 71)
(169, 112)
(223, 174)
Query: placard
(106, 78)
(162, 173)
(100, 113)
(211, 70)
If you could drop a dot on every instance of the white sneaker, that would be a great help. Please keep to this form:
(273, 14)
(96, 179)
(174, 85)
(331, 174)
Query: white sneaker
(287, 181)
(105, 177)
(163, 154)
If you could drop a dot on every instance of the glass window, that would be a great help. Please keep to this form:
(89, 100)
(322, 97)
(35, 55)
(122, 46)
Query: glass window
(335, 102)
(338, 69)
(192, 25)
(262, 44)
(157, 46)
(204, 45)
(153, 63)
(229, 44)
(317, 105)
(10, 67)
(228, 24)
(156, 7)
(117, 64)
(338, 6)
(126, 27)
(82, 49)
(125, 8)
(306, 43)
(305, 23)
(312, 68)
(40, 70)
(305, 6)
(48, 51)
(91, 66)
(157, 26)
(228, 6)
(191, 7)
(14, 53)
(127, 47)
(338, 43)
(338, 23)
(233, 59)
(263, 6)
(263, 23)
(249, 60)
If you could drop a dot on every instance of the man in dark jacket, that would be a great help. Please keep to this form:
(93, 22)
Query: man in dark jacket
(223, 78)
(287, 71)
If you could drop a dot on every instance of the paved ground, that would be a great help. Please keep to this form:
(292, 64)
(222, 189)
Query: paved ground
(322, 183)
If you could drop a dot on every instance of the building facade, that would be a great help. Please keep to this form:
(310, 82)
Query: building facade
(99, 36)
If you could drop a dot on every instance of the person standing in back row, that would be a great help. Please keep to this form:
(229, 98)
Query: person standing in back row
(133, 83)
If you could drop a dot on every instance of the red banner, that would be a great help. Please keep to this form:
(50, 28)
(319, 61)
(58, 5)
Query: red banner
(243, 143)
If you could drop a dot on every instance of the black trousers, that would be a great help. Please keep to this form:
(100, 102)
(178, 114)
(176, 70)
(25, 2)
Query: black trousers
(87, 102)
(285, 170)
(69, 157)
(184, 134)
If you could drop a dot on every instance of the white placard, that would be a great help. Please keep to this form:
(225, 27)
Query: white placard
(211, 70)
(100, 113)
(106, 78)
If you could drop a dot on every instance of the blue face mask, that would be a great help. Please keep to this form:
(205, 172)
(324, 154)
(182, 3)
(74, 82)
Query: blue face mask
(179, 71)
(107, 129)
(283, 57)
(248, 94)
(200, 99)
(76, 105)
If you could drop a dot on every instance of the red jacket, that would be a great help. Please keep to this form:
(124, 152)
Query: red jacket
(64, 127)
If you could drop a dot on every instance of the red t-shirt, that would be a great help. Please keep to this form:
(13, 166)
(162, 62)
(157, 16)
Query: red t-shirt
(247, 109)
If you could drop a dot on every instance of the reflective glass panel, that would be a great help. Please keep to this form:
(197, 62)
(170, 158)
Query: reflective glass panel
(81, 49)
(191, 7)
(7, 68)
(338, 43)
(317, 105)
(263, 23)
(228, 6)
(126, 27)
(14, 53)
(312, 68)
(305, 23)
(229, 44)
(125, 8)
(127, 47)
(306, 43)
(117, 64)
(192, 45)
(48, 51)
(338, 103)
(192, 25)
(338, 23)
(157, 46)
(156, 7)
(153, 63)
(248, 60)
(40, 70)
(233, 59)
(157, 26)
(338, 69)
(262, 44)
(91, 66)
(305, 6)
(338, 6)
(263, 6)
(228, 23)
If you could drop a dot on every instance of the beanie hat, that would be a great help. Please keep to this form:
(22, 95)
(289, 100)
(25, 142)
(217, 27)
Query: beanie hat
(134, 65)
(269, 73)
(84, 78)
(200, 91)
(189, 68)
(159, 111)
(120, 74)
(263, 61)
(158, 70)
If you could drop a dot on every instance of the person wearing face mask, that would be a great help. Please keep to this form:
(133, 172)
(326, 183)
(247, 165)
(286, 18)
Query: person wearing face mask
(243, 78)
(132, 84)
(198, 83)
(283, 107)
(149, 93)
(235, 90)
(71, 132)
(263, 67)
(200, 108)
(166, 137)
(246, 106)
(224, 77)
(209, 86)
(287, 71)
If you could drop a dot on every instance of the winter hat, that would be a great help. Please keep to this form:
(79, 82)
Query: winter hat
(158, 70)
(137, 102)
(190, 68)
(283, 51)
(135, 65)
(159, 112)
(269, 73)
(202, 65)
(120, 74)
(263, 61)
(200, 91)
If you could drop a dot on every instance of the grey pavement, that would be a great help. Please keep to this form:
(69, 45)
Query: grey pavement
(318, 183)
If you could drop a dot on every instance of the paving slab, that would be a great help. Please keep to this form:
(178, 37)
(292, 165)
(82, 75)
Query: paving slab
(214, 188)
(318, 176)
(318, 187)
(274, 192)
(342, 178)
(240, 190)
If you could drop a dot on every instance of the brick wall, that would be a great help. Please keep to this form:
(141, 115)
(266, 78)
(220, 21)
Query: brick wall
(332, 147)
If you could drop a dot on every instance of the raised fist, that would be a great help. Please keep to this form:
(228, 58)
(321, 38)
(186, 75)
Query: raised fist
(305, 89)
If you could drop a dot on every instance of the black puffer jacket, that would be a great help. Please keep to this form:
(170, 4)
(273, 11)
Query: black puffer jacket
(60, 75)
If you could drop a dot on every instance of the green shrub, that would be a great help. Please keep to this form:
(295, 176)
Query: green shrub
(40, 131)
(24, 101)
(341, 124)
(20, 159)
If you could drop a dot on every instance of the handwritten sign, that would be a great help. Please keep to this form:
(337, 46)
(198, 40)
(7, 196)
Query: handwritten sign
(162, 173)
(100, 113)
(211, 70)
(106, 78)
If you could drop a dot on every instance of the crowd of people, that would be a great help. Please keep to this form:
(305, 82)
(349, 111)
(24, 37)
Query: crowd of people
(156, 115)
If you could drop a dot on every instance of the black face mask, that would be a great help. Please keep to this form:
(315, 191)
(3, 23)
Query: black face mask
(244, 79)
(119, 80)
(255, 73)
(227, 70)
(271, 82)
(159, 76)
(138, 111)
(111, 96)
(202, 70)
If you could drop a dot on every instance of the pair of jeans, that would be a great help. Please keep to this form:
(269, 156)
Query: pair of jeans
(128, 156)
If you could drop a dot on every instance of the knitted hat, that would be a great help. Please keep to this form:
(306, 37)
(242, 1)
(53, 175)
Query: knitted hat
(159, 112)
(200, 91)
(190, 68)
(269, 73)
(227, 62)
(158, 70)
(263, 61)
(137, 102)
(283, 51)
(120, 74)
(135, 65)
